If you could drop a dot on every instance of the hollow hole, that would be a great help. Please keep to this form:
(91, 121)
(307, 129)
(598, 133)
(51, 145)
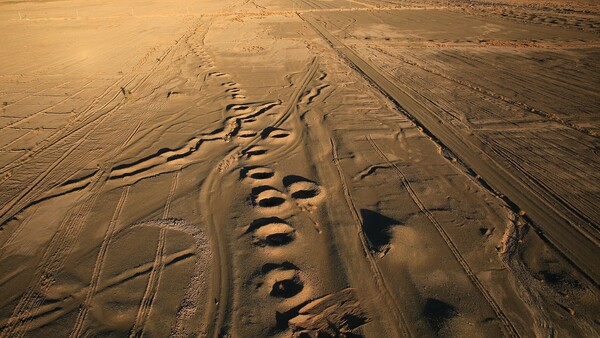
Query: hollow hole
(280, 135)
(256, 152)
(262, 175)
(302, 194)
(271, 202)
(279, 239)
(287, 288)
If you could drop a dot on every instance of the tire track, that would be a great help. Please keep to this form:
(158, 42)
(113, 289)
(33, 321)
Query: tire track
(9, 104)
(221, 269)
(56, 253)
(52, 262)
(130, 137)
(528, 168)
(151, 287)
(12, 125)
(46, 180)
(508, 327)
(295, 97)
(220, 289)
(542, 208)
(292, 103)
(491, 94)
(72, 127)
(171, 194)
(98, 267)
(580, 217)
(28, 195)
(155, 273)
(91, 179)
(68, 304)
(87, 115)
(31, 193)
(61, 243)
(403, 327)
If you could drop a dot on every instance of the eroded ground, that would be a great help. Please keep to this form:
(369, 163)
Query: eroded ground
(305, 168)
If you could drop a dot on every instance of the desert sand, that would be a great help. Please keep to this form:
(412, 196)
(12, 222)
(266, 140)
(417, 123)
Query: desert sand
(302, 168)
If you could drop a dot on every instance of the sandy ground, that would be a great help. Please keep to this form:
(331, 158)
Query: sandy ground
(305, 168)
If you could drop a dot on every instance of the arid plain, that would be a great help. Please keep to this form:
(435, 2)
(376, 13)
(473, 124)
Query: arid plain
(305, 168)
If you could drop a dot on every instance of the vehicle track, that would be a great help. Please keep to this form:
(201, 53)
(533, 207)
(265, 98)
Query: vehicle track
(68, 304)
(50, 176)
(403, 329)
(91, 179)
(579, 217)
(62, 242)
(570, 212)
(41, 111)
(491, 94)
(51, 264)
(171, 194)
(292, 103)
(157, 269)
(33, 190)
(151, 288)
(221, 284)
(98, 267)
(508, 326)
(555, 225)
(9, 104)
(586, 225)
(291, 107)
(28, 306)
(221, 268)
(60, 247)
(29, 194)
(84, 119)
(88, 115)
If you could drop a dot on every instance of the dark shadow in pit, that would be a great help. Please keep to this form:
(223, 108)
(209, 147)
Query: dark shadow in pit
(291, 179)
(287, 288)
(377, 228)
(278, 239)
(274, 132)
(256, 152)
(256, 173)
(260, 189)
(305, 194)
(437, 313)
(271, 202)
(258, 223)
(262, 175)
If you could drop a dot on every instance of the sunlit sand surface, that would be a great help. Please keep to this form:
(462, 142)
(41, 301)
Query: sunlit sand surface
(303, 168)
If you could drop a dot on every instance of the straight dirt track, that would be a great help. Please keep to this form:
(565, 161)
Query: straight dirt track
(555, 223)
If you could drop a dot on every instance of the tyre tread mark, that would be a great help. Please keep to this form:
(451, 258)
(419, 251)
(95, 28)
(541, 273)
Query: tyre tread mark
(508, 326)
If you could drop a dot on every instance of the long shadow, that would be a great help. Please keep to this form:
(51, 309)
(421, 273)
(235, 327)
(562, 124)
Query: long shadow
(437, 313)
(377, 228)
